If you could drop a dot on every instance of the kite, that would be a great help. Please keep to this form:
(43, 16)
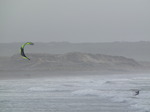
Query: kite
(22, 50)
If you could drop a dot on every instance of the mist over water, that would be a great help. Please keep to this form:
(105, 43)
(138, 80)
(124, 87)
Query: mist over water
(94, 73)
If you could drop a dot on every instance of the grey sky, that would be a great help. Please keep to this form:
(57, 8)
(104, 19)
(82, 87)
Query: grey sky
(74, 20)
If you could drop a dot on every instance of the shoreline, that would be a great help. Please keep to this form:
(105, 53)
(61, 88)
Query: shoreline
(26, 74)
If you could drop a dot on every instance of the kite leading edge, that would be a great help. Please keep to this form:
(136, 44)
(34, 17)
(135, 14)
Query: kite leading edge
(22, 50)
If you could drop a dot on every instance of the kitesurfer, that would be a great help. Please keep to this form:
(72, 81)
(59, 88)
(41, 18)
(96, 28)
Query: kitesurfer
(137, 92)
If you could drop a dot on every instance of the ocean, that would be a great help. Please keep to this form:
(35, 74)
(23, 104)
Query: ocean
(85, 93)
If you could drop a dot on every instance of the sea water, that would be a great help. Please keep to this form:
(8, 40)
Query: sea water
(98, 93)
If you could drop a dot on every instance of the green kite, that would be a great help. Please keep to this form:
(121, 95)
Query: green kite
(22, 50)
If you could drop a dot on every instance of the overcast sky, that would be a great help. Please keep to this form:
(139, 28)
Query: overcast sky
(74, 20)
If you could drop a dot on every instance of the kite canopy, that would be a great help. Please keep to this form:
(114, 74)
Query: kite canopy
(22, 50)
